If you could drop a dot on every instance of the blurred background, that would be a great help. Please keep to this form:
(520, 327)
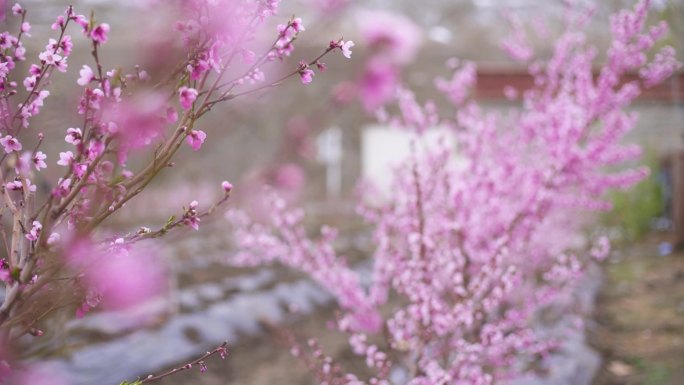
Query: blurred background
(314, 143)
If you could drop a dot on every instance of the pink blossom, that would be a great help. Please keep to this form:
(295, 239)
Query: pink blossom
(62, 188)
(49, 58)
(99, 33)
(171, 115)
(86, 76)
(661, 68)
(227, 186)
(82, 21)
(17, 9)
(54, 239)
(10, 144)
(321, 66)
(35, 231)
(190, 217)
(601, 250)
(74, 136)
(25, 28)
(286, 32)
(39, 160)
(39, 100)
(20, 53)
(289, 177)
(193, 222)
(52, 46)
(297, 26)
(306, 74)
(138, 121)
(458, 88)
(5, 276)
(14, 185)
(34, 70)
(390, 36)
(293, 249)
(7, 40)
(79, 169)
(92, 300)
(91, 100)
(59, 23)
(66, 45)
(30, 82)
(346, 48)
(121, 276)
(516, 44)
(23, 164)
(379, 84)
(187, 97)
(4, 71)
(17, 185)
(31, 187)
(95, 149)
(61, 65)
(65, 158)
(196, 139)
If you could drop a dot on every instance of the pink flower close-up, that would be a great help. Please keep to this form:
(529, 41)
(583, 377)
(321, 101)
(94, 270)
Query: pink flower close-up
(39, 160)
(86, 76)
(306, 75)
(346, 47)
(73, 136)
(196, 139)
(187, 96)
(65, 158)
(100, 32)
(10, 144)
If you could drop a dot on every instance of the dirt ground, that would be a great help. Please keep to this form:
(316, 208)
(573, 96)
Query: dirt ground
(640, 317)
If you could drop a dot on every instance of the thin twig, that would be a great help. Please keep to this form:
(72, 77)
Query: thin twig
(221, 350)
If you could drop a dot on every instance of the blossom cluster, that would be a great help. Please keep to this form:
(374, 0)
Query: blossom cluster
(58, 251)
(470, 251)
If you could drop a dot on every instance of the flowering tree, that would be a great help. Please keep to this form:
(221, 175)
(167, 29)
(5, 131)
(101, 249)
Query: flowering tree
(58, 258)
(469, 253)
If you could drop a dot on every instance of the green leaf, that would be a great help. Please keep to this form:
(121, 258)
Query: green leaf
(16, 273)
(137, 382)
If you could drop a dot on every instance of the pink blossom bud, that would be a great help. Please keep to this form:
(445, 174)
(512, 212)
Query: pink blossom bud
(305, 73)
(187, 96)
(17, 9)
(196, 138)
